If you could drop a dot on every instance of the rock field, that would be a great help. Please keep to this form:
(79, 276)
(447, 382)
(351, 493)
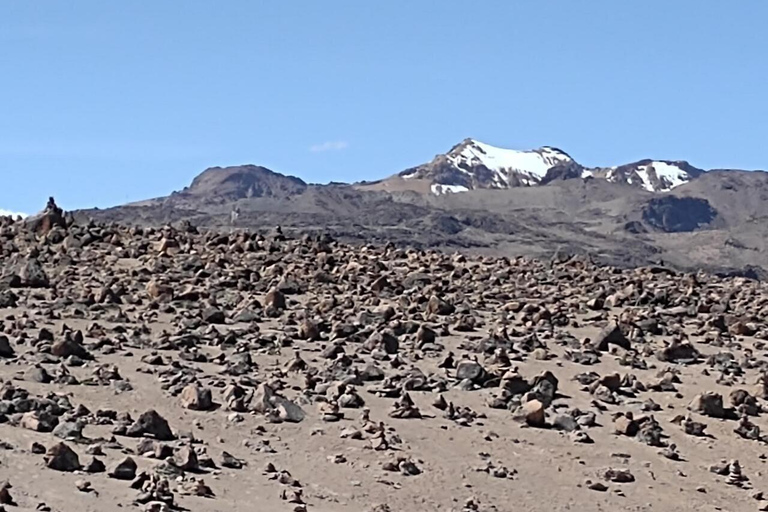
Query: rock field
(173, 368)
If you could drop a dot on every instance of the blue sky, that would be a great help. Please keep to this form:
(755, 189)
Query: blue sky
(107, 102)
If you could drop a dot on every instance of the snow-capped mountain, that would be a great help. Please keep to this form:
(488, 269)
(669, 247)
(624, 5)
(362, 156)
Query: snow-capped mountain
(474, 165)
(651, 175)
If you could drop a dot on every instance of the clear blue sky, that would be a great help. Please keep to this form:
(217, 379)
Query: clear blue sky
(105, 102)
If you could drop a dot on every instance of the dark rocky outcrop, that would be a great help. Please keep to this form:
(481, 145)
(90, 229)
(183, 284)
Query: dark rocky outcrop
(673, 214)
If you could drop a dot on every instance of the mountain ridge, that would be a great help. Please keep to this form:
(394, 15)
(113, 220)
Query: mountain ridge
(472, 164)
(630, 214)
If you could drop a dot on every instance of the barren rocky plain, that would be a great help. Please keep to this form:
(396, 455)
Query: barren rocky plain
(174, 368)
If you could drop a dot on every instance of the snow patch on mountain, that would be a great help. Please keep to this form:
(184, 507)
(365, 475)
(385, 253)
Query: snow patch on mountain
(669, 174)
(530, 166)
(472, 165)
(651, 175)
(439, 189)
(645, 180)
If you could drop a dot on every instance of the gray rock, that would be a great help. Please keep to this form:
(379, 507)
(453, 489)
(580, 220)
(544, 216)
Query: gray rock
(151, 424)
(196, 398)
(437, 306)
(288, 411)
(709, 404)
(6, 350)
(230, 461)
(565, 422)
(69, 347)
(213, 315)
(611, 335)
(469, 370)
(8, 299)
(186, 459)
(38, 374)
(94, 465)
(69, 430)
(124, 470)
(32, 274)
(61, 457)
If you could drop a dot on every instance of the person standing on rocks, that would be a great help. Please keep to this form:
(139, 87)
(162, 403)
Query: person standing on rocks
(234, 216)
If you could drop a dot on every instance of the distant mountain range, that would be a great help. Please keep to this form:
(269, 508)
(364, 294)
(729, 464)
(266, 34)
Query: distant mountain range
(483, 198)
(473, 165)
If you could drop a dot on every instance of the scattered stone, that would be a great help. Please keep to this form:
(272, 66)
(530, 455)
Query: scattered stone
(124, 470)
(83, 486)
(598, 486)
(151, 424)
(620, 476)
(611, 335)
(61, 457)
(6, 350)
(708, 404)
(196, 398)
(532, 413)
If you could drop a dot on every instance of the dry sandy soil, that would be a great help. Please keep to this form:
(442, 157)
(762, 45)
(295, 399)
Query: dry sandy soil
(176, 311)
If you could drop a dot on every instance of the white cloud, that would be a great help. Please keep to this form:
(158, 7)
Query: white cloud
(331, 145)
(5, 213)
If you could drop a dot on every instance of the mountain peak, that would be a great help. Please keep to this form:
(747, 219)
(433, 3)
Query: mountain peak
(242, 182)
(651, 175)
(473, 164)
(506, 158)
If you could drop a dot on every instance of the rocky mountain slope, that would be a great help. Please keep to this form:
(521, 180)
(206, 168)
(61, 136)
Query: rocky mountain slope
(651, 175)
(484, 199)
(474, 165)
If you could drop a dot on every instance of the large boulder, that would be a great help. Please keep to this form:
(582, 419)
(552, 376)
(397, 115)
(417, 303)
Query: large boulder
(437, 306)
(6, 350)
(611, 334)
(124, 470)
(38, 421)
(266, 401)
(69, 347)
(61, 457)
(196, 398)
(678, 352)
(32, 274)
(275, 300)
(8, 299)
(532, 413)
(151, 424)
(708, 404)
(468, 369)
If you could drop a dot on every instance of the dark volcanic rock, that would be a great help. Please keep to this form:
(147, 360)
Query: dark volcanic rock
(673, 214)
(708, 404)
(32, 274)
(124, 470)
(61, 457)
(151, 424)
(611, 334)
